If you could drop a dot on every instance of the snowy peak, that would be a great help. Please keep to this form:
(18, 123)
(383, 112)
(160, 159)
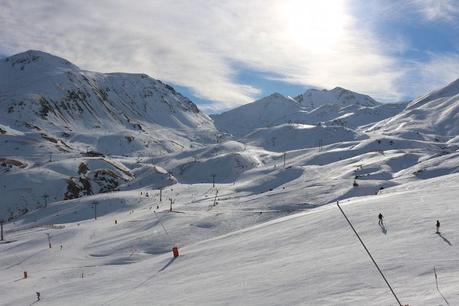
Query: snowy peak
(314, 98)
(274, 100)
(48, 97)
(36, 60)
(338, 106)
(261, 113)
(46, 90)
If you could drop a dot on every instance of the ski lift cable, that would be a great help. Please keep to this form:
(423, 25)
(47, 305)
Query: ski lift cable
(164, 228)
(369, 254)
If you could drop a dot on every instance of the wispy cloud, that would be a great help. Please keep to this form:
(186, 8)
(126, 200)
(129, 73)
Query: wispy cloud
(444, 10)
(196, 43)
(414, 10)
(202, 44)
(434, 73)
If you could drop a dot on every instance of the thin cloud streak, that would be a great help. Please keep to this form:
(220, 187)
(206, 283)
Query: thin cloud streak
(152, 37)
(443, 10)
(436, 73)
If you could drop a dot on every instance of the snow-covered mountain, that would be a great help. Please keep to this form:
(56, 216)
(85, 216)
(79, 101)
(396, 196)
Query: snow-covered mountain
(434, 116)
(48, 95)
(61, 127)
(268, 111)
(157, 174)
(333, 107)
(314, 98)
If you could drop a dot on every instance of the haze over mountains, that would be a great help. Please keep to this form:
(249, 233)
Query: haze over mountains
(73, 139)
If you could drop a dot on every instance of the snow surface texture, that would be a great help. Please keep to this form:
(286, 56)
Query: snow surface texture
(309, 258)
(251, 206)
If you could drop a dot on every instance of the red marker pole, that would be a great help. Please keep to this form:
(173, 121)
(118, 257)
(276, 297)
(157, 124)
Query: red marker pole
(175, 251)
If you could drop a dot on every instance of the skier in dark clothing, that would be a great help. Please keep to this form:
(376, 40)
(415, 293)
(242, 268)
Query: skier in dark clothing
(380, 217)
(38, 296)
(438, 227)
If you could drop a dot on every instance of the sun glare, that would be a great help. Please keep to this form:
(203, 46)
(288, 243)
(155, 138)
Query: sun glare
(315, 25)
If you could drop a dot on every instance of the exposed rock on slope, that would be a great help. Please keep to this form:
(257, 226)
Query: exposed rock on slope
(43, 93)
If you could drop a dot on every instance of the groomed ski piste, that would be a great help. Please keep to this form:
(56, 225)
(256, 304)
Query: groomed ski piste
(307, 258)
(101, 175)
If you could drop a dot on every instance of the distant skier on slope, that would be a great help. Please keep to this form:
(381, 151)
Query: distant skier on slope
(438, 227)
(38, 296)
(380, 217)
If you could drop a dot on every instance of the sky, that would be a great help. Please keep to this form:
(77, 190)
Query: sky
(223, 54)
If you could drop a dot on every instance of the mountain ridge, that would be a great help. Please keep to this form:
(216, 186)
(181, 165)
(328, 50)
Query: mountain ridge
(44, 93)
(334, 107)
(433, 116)
(314, 98)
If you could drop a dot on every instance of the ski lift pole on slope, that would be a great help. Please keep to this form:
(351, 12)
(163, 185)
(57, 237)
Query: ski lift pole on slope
(369, 254)
(174, 246)
(438, 289)
(49, 239)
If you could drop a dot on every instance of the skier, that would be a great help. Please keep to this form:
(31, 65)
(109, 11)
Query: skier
(38, 295)
(380, 217)
(438, 227)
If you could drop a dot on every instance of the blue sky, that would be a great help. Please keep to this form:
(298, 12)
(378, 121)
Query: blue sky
(266, 82)
(226, 53)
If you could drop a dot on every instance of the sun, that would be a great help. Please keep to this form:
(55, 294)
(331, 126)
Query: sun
(315, 25)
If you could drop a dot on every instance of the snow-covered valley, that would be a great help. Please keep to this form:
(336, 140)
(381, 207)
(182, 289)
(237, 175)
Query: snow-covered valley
(248, 196)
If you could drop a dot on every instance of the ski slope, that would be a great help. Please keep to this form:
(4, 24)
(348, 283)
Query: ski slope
(143, 159)
(308, 258)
